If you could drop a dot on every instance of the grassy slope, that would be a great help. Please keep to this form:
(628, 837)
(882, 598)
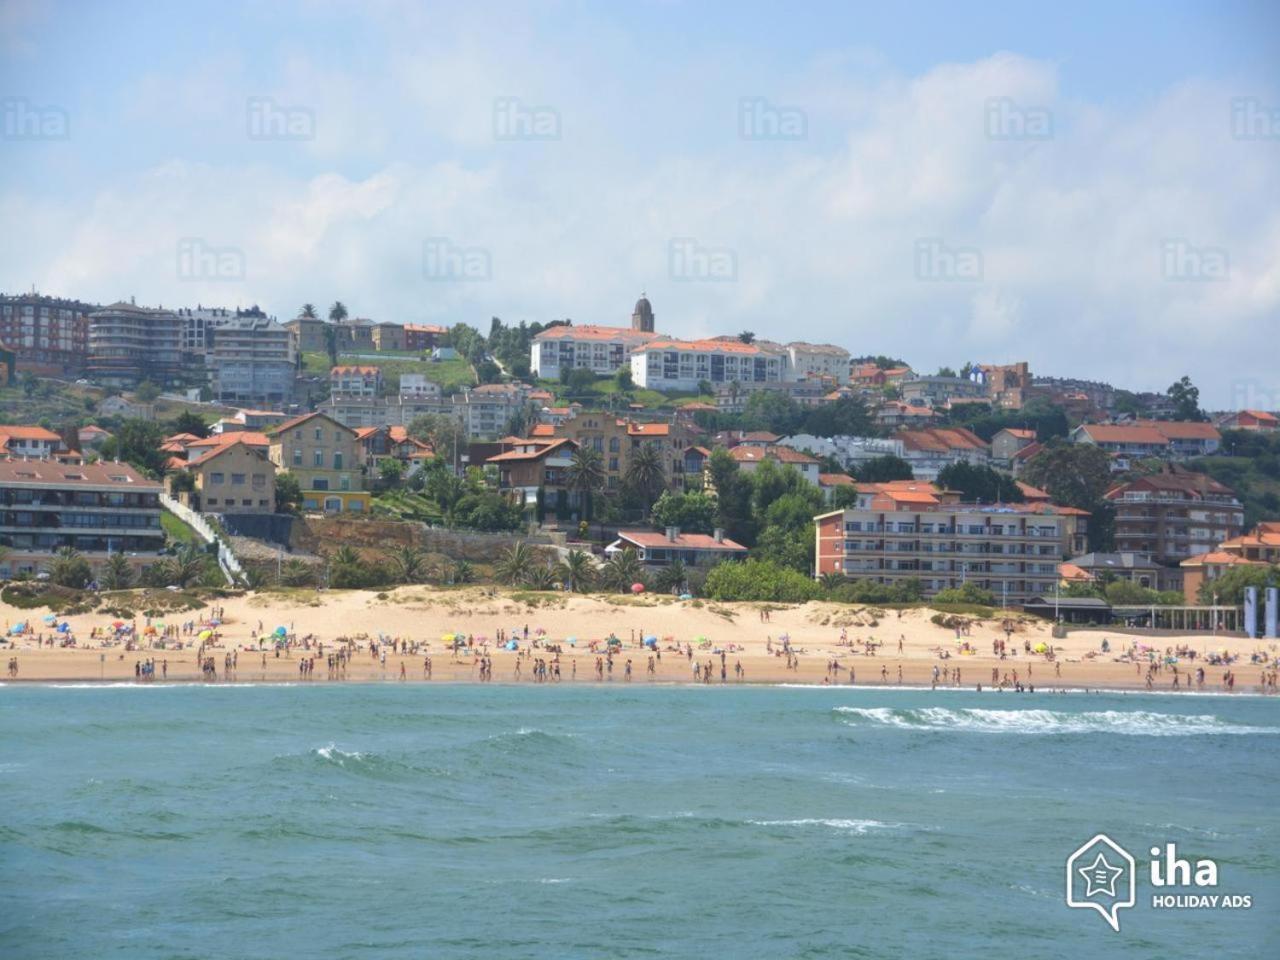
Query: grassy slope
(452, 375)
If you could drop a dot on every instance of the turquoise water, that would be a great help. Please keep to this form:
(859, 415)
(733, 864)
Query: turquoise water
(393, 821)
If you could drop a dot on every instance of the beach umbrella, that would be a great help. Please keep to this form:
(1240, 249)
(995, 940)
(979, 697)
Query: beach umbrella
(572, 641)
(117, 624)
(64, 627)
(18, 628)
(1040, 648)
(50, 618)
(637, 588)
(686, 596)
(512, 645)
(281, 632)
(651, 642)
(204, 634)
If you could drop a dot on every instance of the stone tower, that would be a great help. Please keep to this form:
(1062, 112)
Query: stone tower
(642, 318)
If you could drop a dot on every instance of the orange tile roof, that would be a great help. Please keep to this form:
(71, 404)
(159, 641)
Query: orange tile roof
(591, 331)
(543, 430)
(1069, 571)
(722, 346)
(540, 448)
(214, 452)
(1124, 433)
(648, 429)
(251, 438)
(339, 371)
(1032, 493)
(746, 454)
(683, 541)
(835, 480)
(1182, 429)
(23, 432)
(1020, 432)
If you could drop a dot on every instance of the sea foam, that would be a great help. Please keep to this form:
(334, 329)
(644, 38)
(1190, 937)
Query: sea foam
(1032, 722)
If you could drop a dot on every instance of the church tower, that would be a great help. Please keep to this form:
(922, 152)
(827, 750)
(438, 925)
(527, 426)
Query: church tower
(642, 318)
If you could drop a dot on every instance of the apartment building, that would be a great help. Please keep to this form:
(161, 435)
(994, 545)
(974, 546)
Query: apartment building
(309, 334)
(617, 440)
(869, 376)
(667, 364)
(1260, 421)
(97, 509)
(1147, 439)
(129, 344)
(485, 412)
(895, 536)
(251, 360)
(818, 361)
(1174, 515)
(49, 335)
(325, 457)
(355, 382)
(602, 350)
(699, 551)
(1258, 547)
(388, 336)
(938, 391)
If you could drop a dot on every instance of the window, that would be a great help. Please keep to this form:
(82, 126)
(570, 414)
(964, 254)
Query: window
(216, 479)
(319, 433)
(237, 479)
(337, 459)
(297, 456)
(317, 458)
(332, 505)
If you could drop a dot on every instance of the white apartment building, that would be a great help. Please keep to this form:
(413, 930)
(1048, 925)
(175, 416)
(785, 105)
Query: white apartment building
(817, 360)
(355, 382)
(416, 386)
(667, 364)
(602, 350)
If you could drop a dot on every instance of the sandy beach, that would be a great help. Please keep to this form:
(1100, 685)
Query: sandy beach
(907, 645)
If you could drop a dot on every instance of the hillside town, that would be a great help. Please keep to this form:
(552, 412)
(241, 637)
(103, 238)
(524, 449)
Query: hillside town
(150, 445)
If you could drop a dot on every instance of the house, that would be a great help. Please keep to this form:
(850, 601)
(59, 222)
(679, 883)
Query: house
(195, 447)
(1008, 441)
(392, 443)
(869, 376)
(25, 441)
(1140, 439)
(1258, 420)
(818, 361)
(91, 437)
(97, 509)
(750, 457)
(751, 438)
(1131, 567)
(127, 409)
(388, 336)
(324, 457)
(829, 483)
(694, 550)
(895, 414)
(1260, 546)
(534, 473)
(421, 337)
(234, 477)
(617, 439)
(929, 451)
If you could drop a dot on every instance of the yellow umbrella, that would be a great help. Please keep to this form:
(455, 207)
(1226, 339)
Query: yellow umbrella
(204, 634)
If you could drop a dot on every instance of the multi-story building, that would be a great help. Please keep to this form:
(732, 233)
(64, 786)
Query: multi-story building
(1141, 439)
(1008, 386)
(749, 457)
(870, 376)
(895, 413)
(667, 364)
(1174, 515)
(309, 334)
(388, 336)
(49, 335)
(234, 477)
(534, 473)
(602, 350)
(420, 337)
(895, 536)
(618, 439)
(486, 411)
(392, 443)
(818, 361)
(97, 509)
(355, 382)
(733, 397)
(22, 441)
(324, 456)
(251, 360)
(938, 391)
(1258, 547)
(129, 344)
(1008, 441)
(1260, 421)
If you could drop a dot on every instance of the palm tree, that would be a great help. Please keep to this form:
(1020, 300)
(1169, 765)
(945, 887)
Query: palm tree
(585, 476)
(296, 573)
(331, 345)
(622, 570)
(408, 563)
(578, 571)
(540, 578)
(187, 566)
(463, 572)
(70, 569)
(746, 336)
(345, 556)
(515, 563)
(308, 311)
(830, 581)
(117, 574)
(672, 577)
(645, 473)
(338, 312)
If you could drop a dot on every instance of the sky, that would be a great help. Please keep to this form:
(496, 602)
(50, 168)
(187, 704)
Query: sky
(1094, 189)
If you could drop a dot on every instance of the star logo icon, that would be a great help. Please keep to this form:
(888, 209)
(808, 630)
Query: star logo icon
(1092, 874)
(1100, 877)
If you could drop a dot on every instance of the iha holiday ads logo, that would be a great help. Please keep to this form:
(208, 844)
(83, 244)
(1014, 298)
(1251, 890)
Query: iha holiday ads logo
(1102, 876)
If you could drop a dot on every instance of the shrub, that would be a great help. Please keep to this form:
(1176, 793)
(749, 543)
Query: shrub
(759, 580)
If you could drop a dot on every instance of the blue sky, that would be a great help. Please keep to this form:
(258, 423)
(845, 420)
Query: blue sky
(1069, 186)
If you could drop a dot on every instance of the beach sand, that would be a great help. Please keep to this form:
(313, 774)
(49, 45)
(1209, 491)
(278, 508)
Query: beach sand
(424, 614)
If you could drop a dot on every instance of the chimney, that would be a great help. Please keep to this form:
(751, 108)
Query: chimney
(718, 534)
(673, 534)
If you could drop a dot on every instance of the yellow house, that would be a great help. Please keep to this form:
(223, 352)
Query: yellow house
(324, 457)
(234, 477)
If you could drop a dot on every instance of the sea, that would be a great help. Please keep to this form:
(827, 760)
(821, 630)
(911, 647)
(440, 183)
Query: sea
(627, 820)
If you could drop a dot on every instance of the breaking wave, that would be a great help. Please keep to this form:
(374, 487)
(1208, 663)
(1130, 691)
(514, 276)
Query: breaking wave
(1138, 723)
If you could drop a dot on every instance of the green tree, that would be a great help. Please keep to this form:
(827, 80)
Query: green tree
(514, 564)
(759, 580)
(746, 336)
(623, 379)
(331, 344)
(883, 469)
(585, 476)
(1186, 400)
(408, 563)
(578, 571)
(1074, 474)
(187, 566)
(980, 484)
(646, 474)
(440, 431)
(116, 573)
(391, 471)
(137, 442)
(288, 493)
(188, 422)
(622, 570)
(146, 391)
(463, 572)
(338, 312)
(296, 573)
(692, 512)
(308, 311)
(69, 569)
(672, 578)
(1229, 588)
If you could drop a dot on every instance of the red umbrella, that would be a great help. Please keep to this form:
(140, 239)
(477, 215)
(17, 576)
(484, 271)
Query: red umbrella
(637, 588)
